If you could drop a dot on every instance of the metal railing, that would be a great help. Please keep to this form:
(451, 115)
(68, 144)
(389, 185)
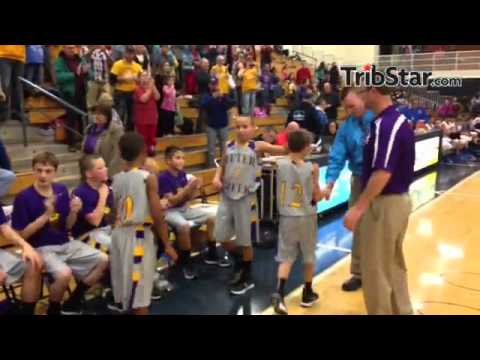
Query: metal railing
(437, 61)
(58, 100)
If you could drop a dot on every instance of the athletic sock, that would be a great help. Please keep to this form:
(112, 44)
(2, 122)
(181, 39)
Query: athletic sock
(185, 257)
(54, 308)
(27, 308)
(247, 270)
(212, 248)
(281, 287)
(78, 294)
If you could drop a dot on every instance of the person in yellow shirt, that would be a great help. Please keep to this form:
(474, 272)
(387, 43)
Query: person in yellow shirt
(123, 77)
(249, 77)
(12, 64)
(220, 71)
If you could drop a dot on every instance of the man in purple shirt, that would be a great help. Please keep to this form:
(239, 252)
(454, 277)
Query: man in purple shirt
(13, 267)
(43, 214)
(382, 210)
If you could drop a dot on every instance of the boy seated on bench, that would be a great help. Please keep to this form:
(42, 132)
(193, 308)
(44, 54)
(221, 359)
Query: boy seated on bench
(174, 185)
(43, 214)
(13, 267)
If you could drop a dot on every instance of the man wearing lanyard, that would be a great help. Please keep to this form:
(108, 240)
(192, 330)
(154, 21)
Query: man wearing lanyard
(348, 146)
(380, 216)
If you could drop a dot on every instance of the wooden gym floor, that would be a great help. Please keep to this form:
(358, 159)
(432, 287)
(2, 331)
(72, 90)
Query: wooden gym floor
(442, 249)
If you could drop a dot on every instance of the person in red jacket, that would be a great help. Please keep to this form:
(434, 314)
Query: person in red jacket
(145, 114)
(304, 76)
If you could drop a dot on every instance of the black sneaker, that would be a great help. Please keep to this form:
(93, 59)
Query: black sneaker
(241, 287)
(278, 304)
(308, 298)
(71, 309)
(352, 284)
(189, 272)
(115, 307)
(225, 262)
(211, 259)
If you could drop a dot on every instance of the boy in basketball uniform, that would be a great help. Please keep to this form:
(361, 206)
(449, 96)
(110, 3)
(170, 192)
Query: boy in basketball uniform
(298, 191)
(138, 208)
(44, 214)
(13, 268)
(237, 179)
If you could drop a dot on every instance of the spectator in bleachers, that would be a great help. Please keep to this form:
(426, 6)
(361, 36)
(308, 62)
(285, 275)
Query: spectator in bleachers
(266, 94)
(446, 109)
(118, 52)
(145, 114)
(238, 65)
(320, 75)
(99, 75)
(203, 83)
(306, 116)
(419, 113)
(220, 71)
(163, 55)
(12, 65)
(34, 64)
(188, 73)
(330, 95)
(249, 77)
(304, 76)
(103, 134)
(334, 77)
(475, 105)
(123, 76)
(143, 58)
(268, 135)
(71, 82)
(266, 55)
(212, 54)
(321, 114)
(7, 176)
(329, 137)
(282, 137)
(456, 107)
(216, 107)
(168, 108)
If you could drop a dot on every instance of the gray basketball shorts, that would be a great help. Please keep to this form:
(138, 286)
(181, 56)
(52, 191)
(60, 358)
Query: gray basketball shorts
(75, 254)
(297, 233)
(180, 217)
(236, 217)
(12, 265)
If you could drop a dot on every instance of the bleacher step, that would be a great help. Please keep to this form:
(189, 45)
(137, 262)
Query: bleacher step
(19, 152)
(11, 133)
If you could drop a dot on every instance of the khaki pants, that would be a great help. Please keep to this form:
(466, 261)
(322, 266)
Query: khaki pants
(95, 89)
(381, 231)
(356, 190)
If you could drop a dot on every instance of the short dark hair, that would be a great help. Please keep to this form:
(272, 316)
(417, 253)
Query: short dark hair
(131, 146)
(45, 158)
(299, 140)
(105, 111)
(130, 49)
(170, 152)
(86, 164)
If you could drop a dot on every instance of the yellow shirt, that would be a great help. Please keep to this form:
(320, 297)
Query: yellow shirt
(13, 52)
(122, 68)
(249, 82)
(221, 73)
